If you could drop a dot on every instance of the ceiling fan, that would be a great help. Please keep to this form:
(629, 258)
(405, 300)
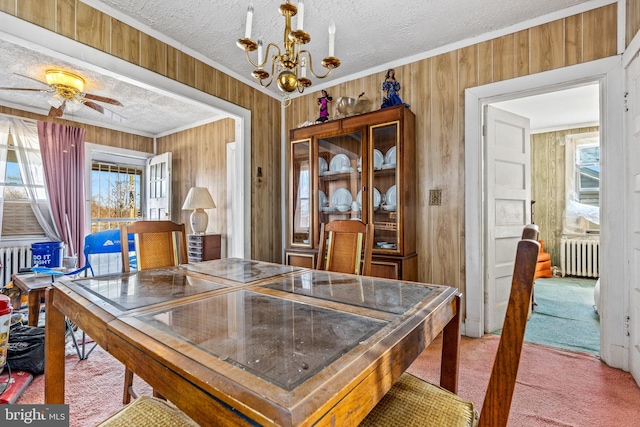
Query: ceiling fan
(67, 90)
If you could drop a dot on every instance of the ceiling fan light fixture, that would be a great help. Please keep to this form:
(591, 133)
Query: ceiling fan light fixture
(74, 104)
(59, 78)
(56, 100)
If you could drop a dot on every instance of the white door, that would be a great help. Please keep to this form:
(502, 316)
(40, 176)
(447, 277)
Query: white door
(633, 163)
(508, 191)
(158, 191)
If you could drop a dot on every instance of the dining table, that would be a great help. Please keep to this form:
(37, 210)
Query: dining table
(242, 342)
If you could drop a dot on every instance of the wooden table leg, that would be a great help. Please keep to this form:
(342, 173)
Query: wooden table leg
(34, 306)
(54, 337)
(451, 352)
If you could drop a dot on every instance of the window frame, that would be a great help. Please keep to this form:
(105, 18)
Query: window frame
(112, 155)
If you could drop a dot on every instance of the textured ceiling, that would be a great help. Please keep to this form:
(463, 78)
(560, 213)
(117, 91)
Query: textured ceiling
(371, 35)
(146, 112)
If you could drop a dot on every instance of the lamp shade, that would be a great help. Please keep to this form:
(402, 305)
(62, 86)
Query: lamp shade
(198, 199)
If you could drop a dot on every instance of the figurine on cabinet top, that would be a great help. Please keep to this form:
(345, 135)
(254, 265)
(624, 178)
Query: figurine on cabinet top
(323, 102)
(391, 87)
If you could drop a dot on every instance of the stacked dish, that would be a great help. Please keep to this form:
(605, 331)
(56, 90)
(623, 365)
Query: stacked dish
(340, 163)
(377, 198)
(323, 167)
(341, 199)
(390, 199)
(378, 159)
(322, 200)
(390, 158)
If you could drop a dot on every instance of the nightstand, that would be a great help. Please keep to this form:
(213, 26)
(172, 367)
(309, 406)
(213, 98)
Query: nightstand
(203, 247)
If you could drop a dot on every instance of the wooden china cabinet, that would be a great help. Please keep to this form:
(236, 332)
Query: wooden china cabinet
(360, 167)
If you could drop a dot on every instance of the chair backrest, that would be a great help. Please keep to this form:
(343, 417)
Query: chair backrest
(157, 244)
(497, 402)
(346, 246)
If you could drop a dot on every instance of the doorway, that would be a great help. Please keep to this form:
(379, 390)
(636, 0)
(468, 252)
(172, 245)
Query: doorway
(606, 73)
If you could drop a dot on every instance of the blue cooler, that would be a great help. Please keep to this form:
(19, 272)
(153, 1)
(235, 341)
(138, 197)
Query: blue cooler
(47, 254)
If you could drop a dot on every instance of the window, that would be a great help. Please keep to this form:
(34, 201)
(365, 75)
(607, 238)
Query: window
(588, 174)
(116, 196)
(18, 218)
(115, 185)
(582, 183)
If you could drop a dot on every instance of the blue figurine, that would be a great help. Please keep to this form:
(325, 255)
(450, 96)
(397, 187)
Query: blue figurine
(391, 87)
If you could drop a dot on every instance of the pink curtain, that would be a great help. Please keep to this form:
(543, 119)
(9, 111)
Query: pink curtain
(62, 149)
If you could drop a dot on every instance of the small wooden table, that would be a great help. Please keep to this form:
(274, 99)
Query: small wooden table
(241, 342)
(34, 286)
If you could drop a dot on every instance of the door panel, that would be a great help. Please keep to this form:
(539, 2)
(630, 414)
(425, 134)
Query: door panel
(633, 163)
(159, 187)
(508, 191)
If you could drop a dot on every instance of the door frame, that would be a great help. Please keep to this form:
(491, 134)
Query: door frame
(629, 56)
(608, 73)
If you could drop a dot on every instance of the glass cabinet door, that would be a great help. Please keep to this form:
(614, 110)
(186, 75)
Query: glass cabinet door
(340, 171)
(386, 189)
(301, 186)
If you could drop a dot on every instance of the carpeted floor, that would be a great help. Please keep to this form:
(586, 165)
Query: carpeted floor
(555, 387)
(564, 316)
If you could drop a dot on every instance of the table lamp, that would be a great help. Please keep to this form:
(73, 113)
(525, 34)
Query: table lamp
(198, 199)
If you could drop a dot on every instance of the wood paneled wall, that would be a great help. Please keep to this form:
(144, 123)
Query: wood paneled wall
(80, 22)
(209, 141)
(93, 134)
(632, 24)
(548, 185)
(434, 87)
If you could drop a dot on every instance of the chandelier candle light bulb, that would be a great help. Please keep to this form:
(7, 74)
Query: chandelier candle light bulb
(332, 38)
(247, 31)
(260, 54)
(300, 14)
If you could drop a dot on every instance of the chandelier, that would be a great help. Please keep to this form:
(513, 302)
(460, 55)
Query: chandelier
(291, 62)
(67, 88)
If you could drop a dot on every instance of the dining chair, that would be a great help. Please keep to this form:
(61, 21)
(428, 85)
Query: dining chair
(157, 244)
(345, 246)
(148, 411)
(413, 401)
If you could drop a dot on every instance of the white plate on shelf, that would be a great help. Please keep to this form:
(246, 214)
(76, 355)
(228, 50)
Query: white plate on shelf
(328, 209)
(322, 200)
(322, 166)
(378, 159)
(388, 246)
(377, 198)
(390, 208)
(389, 166)
(390, 197)
(341, 197)
(390, 157)
(338, 162)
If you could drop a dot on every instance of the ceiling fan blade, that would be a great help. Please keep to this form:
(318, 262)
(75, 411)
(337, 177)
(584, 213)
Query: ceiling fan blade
(24, 88)
(112, 115)
(31, 78)
(57, 112)
(102, 99)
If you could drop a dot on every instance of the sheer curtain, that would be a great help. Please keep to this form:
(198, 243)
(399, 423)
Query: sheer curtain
(25, 139)
(576, 214)
(62, 150)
